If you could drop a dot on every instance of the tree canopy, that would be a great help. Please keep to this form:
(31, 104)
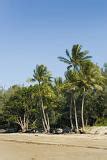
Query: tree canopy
(75, 101)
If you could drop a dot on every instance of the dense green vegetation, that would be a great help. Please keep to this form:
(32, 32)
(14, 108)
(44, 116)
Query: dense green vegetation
(73, 102)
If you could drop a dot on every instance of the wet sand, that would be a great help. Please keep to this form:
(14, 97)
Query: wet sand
(52, 147)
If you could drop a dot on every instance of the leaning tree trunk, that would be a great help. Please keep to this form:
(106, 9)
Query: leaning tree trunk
(71, 122)
(48, 123)
(44, 119)
(44, 125)
(82, 112)
(76, 119)
(27, 123)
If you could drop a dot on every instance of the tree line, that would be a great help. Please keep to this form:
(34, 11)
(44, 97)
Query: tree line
(75, 101)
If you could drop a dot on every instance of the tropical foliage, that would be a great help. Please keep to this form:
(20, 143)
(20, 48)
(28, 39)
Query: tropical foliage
(74, 101)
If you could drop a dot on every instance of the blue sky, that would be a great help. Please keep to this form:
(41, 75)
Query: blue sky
(38, 31)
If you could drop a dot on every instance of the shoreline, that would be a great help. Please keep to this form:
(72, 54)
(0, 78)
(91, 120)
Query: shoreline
(17, 146)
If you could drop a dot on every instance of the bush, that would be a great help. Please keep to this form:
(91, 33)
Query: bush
(101, 122)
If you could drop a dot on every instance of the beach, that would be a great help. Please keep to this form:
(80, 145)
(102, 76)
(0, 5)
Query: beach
(53, 147)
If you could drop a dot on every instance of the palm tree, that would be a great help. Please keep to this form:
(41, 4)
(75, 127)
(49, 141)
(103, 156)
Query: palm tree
(41, 74)
(43, 77)
(71, 80)
(58, 82)
(90, 79)
(76, 58)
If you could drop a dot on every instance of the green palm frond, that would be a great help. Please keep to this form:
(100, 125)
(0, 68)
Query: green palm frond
(62, 59)
(87, 57)
(68, 54)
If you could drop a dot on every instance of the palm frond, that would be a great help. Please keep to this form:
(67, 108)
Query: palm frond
(87, 57)
(69, 67)
(68, 55)
(62, 59)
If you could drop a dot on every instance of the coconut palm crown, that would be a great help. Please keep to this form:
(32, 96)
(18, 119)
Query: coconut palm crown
(75, 58)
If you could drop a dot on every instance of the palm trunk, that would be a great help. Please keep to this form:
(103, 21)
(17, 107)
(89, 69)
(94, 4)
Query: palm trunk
(44, 117)
(48, 122)
(71, 122)
(27, 123)
(44, 125)
(82, 112)
(44, 120)
(86, 122)
(76, 119)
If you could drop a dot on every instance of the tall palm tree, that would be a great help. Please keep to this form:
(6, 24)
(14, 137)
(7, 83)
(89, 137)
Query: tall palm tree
(90, 79)
(43, 77)
(75, 60)
(71, 80)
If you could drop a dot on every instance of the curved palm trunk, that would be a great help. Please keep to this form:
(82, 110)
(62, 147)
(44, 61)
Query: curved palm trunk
(48, 123)
(71, 122)
(44, 125)
(76, 119)
(82, 112)
(45, 119)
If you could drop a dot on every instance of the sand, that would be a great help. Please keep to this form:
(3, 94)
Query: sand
(52, 147)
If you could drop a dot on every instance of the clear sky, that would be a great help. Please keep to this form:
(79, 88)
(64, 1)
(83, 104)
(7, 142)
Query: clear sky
(38, 31)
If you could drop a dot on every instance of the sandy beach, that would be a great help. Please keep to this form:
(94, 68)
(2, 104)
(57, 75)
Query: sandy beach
(52, 147)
